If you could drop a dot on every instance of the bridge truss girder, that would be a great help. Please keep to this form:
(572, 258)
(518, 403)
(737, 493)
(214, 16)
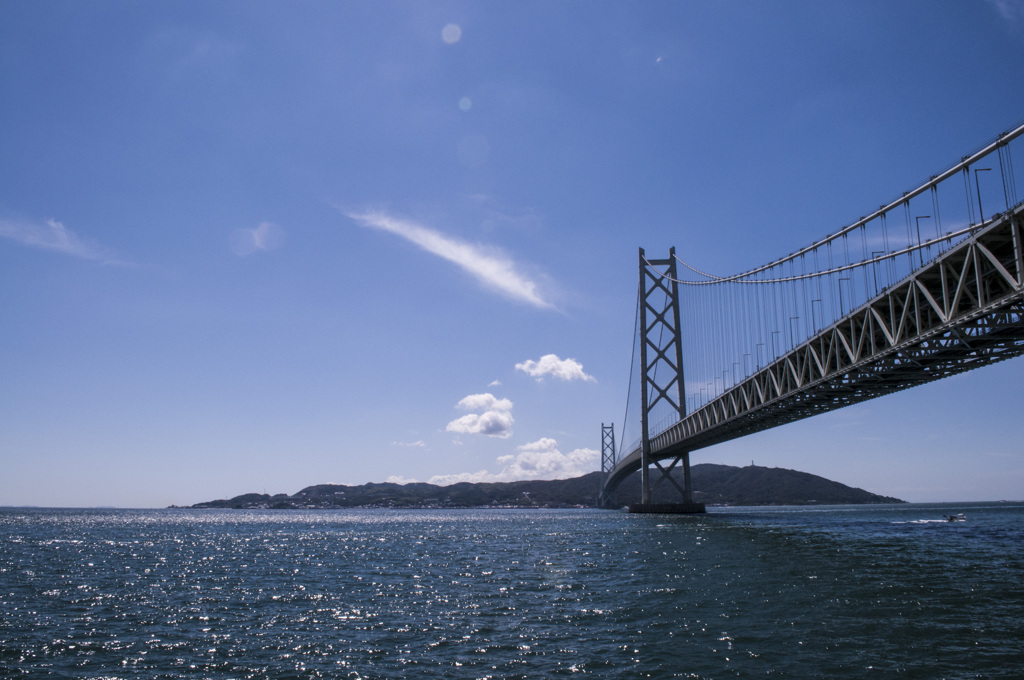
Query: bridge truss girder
(962, 311)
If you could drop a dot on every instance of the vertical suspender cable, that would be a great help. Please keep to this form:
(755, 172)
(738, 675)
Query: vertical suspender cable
(970, 196)
(912, 244)
(864, 258)
(890, 263)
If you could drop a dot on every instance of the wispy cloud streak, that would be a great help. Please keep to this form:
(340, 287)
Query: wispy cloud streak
(267, 236)
(52, 235)
(488, 266)
(1011, 10)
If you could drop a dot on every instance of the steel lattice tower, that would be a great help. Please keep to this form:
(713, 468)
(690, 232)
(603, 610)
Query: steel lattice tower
(661, 359)
(607, 447)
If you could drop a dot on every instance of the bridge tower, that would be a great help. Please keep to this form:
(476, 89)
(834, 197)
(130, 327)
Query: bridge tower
(661, 382)
(607, 458)
(607, 447)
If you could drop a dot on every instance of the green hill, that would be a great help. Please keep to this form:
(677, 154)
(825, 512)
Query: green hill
(712, 484)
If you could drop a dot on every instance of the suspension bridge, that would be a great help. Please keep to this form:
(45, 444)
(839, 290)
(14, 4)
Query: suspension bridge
(928, 285)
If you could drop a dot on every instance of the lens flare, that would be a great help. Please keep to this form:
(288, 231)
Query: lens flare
(451, 34)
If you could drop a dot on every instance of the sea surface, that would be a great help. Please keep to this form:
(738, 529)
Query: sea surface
(810, 592)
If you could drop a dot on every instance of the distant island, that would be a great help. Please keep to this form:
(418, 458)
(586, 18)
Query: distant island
(712, 484)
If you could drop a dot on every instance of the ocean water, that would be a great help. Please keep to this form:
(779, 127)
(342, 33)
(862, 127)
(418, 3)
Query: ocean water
(821, 592)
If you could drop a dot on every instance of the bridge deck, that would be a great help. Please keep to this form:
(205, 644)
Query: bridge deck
(961, 311)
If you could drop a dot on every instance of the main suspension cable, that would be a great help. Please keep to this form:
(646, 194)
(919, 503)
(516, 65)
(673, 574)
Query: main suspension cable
(740, 278)
(632, 363)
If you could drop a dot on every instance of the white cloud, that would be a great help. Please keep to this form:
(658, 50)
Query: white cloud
(267, 236)
(491, 423)
(55, 236)
(542, 460)
(471, 477)
(418, 443)
(399, 479)
(485, 402)
(495, 420)
(490, 267)
(495, 383)
(550, 364)
(537, 460)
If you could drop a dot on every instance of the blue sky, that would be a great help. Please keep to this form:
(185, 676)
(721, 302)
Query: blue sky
(251, 246)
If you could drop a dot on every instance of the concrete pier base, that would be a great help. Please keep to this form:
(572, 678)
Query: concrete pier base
(668, 508)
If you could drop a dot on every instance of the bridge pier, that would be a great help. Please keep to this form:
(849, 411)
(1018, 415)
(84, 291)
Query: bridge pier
(687, 506)
(668, 508)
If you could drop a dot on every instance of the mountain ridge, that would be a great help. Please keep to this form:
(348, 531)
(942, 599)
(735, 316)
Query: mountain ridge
(713, 484)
